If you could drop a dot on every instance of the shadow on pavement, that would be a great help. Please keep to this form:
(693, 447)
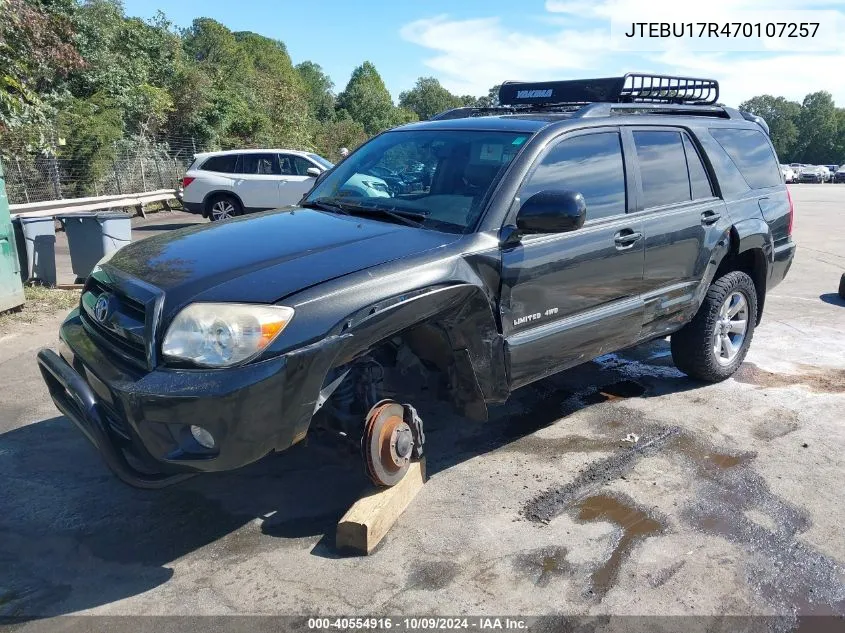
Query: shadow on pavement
(74, 537)
(833, 299)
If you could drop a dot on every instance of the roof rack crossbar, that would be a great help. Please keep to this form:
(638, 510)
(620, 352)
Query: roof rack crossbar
(632, 87)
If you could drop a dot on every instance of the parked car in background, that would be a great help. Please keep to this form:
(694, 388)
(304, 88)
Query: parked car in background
(839, 174)
(788, 173)
(221, 185)
(811, 173)
(832, 170)
(825, 172)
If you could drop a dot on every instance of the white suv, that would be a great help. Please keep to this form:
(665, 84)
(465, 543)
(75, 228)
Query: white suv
(221, 185)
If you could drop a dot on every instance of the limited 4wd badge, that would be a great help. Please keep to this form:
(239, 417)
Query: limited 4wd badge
(534, 317)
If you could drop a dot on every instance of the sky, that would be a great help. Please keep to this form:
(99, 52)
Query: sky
(471, 45)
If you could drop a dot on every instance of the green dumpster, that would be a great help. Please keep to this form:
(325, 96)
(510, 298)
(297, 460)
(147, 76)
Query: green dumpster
(11, 289)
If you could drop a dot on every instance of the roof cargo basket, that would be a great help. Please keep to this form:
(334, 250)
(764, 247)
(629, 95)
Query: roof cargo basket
(630, 88)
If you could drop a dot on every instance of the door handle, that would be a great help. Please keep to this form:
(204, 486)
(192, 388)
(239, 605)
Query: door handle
(710, 217)
(626, 238)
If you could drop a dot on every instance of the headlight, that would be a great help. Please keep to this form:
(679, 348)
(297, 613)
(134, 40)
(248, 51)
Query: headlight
(223, 334)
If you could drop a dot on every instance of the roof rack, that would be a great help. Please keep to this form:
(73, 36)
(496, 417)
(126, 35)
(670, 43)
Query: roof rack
(630, 88)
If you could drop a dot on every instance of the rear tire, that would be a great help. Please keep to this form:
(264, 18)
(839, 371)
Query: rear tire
(713, 345)
(223, 207)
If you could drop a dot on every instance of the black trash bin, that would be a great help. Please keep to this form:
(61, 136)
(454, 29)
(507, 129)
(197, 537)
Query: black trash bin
(92, 236)
(36, 242)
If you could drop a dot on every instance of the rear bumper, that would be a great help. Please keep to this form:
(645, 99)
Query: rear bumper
(250, 410)
(781, 263)
(193, 207)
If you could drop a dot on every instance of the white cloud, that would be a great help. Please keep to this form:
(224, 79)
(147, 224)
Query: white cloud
(473, 55)
(573, 40)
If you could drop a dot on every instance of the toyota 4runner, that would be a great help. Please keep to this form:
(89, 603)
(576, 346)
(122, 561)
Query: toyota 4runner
(575, 219)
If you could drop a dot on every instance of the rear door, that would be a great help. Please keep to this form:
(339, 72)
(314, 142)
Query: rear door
(569, 297)
(682, 221)
(258, 182)
(295, 181)
(11, 290)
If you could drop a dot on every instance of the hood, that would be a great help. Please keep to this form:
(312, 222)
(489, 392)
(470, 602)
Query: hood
(263, 258)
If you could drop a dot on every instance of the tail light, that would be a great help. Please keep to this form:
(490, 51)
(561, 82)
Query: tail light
(791, 213)
(187, 180)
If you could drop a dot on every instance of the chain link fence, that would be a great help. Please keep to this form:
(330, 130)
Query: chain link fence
(132, 165)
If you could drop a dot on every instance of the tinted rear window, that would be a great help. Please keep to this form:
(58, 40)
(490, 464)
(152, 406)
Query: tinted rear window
(224, 164)
(662, 167)
(699, 182)
(751, 153)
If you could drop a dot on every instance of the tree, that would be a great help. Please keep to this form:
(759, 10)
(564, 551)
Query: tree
(428, 98)
(319, 87)
(36, 52)
(490, 100)
(367, 100)
(782, 117)
(817, 128)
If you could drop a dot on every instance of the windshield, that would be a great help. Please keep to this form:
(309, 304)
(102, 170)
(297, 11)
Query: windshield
(321, 161)
(440, 178)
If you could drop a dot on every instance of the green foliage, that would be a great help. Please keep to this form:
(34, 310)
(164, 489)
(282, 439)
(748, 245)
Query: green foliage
(367, 101)
(321, 99)
(428, 98)
(817, 124)
(93, 127)
(781, 116)
(82, 71)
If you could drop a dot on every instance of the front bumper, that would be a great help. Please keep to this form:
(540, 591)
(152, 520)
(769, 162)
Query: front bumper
(250, 410)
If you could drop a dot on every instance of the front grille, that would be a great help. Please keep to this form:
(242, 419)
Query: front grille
(124, 329)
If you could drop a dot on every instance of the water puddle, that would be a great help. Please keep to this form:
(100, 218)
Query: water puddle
(818, 379)
(544, 564)
(705, 456)
(635, 525)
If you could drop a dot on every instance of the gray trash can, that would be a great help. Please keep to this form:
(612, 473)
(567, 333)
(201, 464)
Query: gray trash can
(91, 236)
(36, 242)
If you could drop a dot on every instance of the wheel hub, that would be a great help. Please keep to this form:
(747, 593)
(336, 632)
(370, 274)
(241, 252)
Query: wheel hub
(387, 443)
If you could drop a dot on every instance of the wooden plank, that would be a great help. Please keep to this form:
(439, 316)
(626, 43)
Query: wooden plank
(371, 517)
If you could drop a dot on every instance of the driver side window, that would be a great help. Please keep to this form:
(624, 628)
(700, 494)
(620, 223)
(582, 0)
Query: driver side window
(591, 164)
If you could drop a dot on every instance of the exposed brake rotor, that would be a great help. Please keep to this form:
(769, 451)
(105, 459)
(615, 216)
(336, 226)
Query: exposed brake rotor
(387, 444)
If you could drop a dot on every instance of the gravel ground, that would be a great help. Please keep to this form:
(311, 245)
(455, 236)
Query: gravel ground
(731, 501)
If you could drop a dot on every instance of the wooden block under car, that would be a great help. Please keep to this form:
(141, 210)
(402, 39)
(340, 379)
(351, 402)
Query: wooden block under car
(372, 516)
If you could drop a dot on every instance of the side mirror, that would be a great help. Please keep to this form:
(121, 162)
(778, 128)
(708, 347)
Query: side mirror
(314, 172)
(552, 212)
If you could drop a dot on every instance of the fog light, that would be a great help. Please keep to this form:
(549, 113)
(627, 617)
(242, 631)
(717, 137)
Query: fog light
(203, 437)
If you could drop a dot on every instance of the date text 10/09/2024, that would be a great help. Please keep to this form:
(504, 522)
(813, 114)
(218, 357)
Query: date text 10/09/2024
(722, 29)
(419, 624)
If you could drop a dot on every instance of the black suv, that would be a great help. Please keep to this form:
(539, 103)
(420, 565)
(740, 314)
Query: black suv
(577, 218)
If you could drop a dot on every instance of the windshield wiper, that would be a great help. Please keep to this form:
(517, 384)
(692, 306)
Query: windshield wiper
(324, 204)
(410, 218)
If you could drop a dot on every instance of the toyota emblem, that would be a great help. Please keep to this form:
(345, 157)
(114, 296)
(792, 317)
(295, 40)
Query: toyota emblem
(101, 308)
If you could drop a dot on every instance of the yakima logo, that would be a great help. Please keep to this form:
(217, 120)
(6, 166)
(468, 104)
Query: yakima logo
(533, 94)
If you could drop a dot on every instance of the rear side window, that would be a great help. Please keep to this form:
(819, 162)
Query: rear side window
(293, 165)
(699, 182)
(751, 153)
(260, 164)
(662, 162)
(223, 164)
(590, 164)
